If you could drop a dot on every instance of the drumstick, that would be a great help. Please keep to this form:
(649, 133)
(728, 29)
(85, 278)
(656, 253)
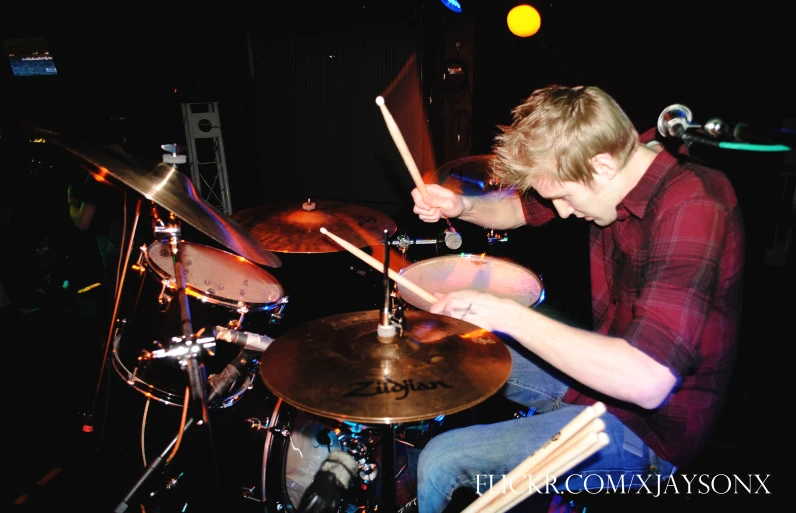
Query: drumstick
(584, 421)
(565, 459)
(380, 267)
(403, 149)
(392, 126)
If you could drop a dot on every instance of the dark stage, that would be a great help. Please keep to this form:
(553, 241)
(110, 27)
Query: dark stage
(297, 122)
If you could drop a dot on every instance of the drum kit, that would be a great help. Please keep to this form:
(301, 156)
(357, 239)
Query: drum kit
(341, 383)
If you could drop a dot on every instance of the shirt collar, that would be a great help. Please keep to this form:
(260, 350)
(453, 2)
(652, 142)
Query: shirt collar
(638, 199)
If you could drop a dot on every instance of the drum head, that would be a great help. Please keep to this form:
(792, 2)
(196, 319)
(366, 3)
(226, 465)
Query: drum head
(217, 275)
(483, 273)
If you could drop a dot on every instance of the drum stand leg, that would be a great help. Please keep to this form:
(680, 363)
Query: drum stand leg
(88, 426)
(387, 501)
(227, 377)
(150, 470)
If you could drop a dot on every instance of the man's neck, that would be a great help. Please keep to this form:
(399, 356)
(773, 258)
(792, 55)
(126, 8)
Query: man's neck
(635, 168)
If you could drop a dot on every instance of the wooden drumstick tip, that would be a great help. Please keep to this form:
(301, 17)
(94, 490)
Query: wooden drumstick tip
(379, 101)
(323, 230)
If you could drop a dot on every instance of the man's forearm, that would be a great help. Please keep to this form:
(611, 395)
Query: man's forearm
(501, 210)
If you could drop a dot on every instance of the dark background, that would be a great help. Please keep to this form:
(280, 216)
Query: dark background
(296, 85)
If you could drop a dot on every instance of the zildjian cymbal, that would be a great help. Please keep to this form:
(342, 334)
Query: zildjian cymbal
(171, 189)
(338, 368)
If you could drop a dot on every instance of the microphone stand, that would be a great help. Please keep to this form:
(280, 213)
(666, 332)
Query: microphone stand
(188, 358)
(161, 459)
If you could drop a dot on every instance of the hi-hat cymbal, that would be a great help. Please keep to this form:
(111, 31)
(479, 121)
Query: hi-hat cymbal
(470, 176)
(172, 190)
(337, 368)
(294, 227)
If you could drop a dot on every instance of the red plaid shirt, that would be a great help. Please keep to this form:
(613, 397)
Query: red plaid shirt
(666, 276)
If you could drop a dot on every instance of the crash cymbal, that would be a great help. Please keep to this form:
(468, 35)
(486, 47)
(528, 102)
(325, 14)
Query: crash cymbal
(470, 176)
(294, 227)
(172, 190)
(337, 368)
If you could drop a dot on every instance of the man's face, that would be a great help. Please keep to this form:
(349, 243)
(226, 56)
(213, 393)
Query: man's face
(593, 202)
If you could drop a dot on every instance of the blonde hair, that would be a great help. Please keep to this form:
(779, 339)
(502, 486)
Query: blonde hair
(556, 132)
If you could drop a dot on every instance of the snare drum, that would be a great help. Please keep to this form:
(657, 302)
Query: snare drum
(495, 275)
(222, 288)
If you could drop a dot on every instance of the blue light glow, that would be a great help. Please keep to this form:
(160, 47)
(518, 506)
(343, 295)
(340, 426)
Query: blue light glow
(453, 5)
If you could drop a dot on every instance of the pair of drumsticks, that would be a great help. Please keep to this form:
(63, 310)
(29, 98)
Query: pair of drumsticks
(403, 149)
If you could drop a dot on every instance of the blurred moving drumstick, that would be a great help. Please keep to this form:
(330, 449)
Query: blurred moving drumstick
(431, 298)
(403, 149)
(454, 241)
(579, 439)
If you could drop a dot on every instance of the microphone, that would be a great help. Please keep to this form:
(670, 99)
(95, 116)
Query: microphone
(222, 382)
(452, 238)
(740, 132)
(675, 120)
(332, 480)
(249, 341)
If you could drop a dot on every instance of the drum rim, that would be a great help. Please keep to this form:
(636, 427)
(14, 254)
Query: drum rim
(472, 256)
(166, 396)
(282, 410)
(152, 267)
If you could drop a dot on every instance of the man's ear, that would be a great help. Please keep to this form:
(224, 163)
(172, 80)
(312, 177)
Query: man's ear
(604, 165)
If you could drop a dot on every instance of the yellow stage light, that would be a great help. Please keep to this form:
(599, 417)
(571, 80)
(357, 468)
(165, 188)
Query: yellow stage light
(524, 21)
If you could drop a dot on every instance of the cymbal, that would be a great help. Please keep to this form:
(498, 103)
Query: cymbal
(470, 176)
(289, 227)
(337, 368)
(172, 190)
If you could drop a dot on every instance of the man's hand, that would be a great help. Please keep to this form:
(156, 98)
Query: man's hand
(439, 202)
(480, 308)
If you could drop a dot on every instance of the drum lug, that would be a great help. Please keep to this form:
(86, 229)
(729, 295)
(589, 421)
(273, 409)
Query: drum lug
(281, 431)
(138, 266)
(277, 313)
(257, 424)
(493, 237)
(249, 493)
(164, 298)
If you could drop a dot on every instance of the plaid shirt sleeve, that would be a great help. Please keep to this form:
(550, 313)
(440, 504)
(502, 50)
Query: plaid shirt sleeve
(537, 210)
(680, 276)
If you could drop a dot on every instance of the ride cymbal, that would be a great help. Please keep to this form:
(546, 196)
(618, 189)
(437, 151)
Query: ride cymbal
(293, 227)
(470, 176)
(336, 367)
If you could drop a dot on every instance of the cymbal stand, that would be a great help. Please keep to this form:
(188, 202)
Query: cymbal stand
(389, 326)
(88, 426)
(188, 358)
(186, 348)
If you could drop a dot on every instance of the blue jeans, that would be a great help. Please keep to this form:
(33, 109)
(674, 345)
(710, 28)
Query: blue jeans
(467, 456)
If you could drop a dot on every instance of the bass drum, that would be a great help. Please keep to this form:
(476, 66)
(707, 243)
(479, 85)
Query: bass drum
(223, 290)
(296, 445)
